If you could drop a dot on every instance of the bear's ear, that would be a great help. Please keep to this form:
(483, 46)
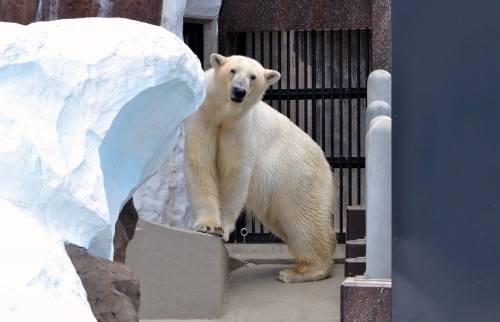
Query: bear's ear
(272, 76)
(217, 60)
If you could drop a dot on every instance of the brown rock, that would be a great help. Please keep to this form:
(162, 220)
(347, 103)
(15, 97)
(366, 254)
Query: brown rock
(142, 10)
(23, 12)
(124, 230)
(77, 9)
(112, 288)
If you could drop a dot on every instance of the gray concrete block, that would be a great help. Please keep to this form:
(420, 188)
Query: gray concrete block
(183, 274)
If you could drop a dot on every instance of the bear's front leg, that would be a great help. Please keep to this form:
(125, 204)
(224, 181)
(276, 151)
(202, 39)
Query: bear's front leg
(201, 175)
(236, 161)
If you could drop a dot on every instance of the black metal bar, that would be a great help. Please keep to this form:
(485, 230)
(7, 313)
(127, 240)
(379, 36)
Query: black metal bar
(253, 45)
(332, 98)
(349, 124)
(258, 238)
(334, 93)
(341, 135)
(297, 71)
(338, 162)
(270, 38)
(323, 107)
(313, 83)
(368, 56)
(262, 41)
(306, 85)
(288, 73)
(279, 70)
(358, 117)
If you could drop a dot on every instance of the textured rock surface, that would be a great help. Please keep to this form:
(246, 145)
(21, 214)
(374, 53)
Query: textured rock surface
(90, 109)
(163, 198)
(124, 230)
(26, 12)
(112, 288)
(255, 15)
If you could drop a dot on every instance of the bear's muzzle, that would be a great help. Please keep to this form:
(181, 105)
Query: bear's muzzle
(238, 94)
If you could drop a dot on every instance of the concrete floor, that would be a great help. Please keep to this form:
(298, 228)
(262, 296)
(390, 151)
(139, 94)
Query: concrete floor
(255, 295)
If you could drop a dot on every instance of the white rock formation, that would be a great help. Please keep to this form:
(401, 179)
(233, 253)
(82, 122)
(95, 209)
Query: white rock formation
(38, 280)
(89, 110)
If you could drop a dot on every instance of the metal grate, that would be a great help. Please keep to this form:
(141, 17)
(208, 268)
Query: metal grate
(323, 91)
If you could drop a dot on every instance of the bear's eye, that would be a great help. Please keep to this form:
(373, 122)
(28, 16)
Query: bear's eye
(253, 77)
(233, 71)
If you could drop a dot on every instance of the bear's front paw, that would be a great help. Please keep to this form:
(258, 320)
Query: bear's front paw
(217, 231)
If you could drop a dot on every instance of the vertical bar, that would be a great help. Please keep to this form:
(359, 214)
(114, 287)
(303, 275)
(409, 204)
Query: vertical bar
(306, 86)
(358, 103)
(368, 55)
(262, 47)
(341, 133)
(313, 81)
(279, 70)
(332, 105)
(297, 54)
(270, 33)
(288, 73)
(253, 225)
(244, 224)
(253, 45)
(323, 107)
(349, 128)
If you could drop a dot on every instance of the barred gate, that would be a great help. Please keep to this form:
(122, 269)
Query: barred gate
(322, 90)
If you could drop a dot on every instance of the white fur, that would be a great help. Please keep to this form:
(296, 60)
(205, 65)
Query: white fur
(249, 155)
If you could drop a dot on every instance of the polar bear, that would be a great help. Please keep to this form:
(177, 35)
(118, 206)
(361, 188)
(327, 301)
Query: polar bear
(241, 153)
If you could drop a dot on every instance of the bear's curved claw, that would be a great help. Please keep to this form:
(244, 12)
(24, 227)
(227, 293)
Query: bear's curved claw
(217, 231)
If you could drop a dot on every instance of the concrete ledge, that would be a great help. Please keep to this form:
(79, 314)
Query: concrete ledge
(272, 253)
(183, 274)
(365, 300)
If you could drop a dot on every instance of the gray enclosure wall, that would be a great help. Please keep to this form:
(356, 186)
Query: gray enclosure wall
(446, 160)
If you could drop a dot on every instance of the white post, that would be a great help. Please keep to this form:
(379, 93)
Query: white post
(374, 109)
(379, 87)
(378, 199)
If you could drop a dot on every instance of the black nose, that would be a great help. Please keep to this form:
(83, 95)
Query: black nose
(239, 93)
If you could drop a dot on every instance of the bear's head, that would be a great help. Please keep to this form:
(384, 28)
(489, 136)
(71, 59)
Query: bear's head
(245, 78)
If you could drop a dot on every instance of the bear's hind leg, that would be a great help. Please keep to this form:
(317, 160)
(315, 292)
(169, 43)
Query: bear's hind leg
(312, 244)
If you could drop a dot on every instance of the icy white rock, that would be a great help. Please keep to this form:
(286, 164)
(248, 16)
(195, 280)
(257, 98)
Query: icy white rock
(38, 280)
(90, 109)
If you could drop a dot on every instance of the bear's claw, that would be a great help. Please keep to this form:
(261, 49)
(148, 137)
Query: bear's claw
(217, 231)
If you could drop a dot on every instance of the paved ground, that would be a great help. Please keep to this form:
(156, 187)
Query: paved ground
(255, 295)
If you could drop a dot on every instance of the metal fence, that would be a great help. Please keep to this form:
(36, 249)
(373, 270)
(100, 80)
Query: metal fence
(322, 90)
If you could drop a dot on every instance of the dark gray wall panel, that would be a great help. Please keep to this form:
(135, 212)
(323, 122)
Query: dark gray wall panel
(446, 160)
